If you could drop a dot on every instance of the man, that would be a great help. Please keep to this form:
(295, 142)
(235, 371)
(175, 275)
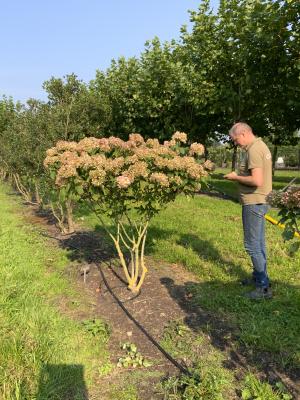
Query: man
(255, 182)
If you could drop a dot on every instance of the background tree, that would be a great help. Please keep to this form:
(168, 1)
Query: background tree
(119, 86)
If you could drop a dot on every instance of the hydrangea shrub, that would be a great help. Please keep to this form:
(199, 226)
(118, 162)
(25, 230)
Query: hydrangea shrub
(288, 203)
(129, 181)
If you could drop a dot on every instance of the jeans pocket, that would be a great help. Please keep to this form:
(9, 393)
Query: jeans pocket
(259, 210)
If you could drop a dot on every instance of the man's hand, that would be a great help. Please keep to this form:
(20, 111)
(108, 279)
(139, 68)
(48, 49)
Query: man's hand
(255, 179)
(232, 176)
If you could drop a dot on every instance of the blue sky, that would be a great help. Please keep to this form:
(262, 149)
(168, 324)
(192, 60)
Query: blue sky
(40, 39)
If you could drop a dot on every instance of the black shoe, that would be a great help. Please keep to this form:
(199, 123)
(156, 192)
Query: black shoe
(259, 294)
(248, 282)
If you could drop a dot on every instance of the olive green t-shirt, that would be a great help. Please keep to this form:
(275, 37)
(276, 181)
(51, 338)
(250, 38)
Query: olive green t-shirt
(257, 155)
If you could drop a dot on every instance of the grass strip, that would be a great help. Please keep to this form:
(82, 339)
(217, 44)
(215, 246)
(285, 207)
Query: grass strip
(43, 354)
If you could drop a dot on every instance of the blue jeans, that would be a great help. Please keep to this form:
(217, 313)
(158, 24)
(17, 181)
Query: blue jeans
(254, 241)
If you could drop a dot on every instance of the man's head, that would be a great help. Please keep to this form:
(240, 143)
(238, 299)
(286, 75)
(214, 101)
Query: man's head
(241, 134)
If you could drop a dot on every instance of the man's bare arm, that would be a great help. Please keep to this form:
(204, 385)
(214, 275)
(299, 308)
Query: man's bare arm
(255, 179)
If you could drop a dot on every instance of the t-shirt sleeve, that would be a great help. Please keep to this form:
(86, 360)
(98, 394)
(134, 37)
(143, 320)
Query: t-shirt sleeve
(255, 158)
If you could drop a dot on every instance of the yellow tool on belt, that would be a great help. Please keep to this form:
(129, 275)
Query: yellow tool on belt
(274, 222)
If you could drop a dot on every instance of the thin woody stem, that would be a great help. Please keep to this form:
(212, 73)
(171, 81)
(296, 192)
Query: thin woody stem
(98, 215)
(142, 237)
(120, 254)
(132, 264)
(124, 241)
(126, 234)
(129, 221)
(22, 189)
(144, 268)
(116, 241)
(60, 219)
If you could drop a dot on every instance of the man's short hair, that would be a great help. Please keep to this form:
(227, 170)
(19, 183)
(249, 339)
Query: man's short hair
(238, 127)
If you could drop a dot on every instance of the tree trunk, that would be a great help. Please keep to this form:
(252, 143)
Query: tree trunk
(70, 220)
(274, 157)
(37, 193)
(234, 159)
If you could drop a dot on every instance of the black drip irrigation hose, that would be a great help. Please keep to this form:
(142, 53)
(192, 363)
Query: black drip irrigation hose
(149, 337)
(182, 369)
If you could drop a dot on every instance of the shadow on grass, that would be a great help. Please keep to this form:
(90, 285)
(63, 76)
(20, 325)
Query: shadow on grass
(207, 251)
(62, 382)
(260, 334)
(89, 246)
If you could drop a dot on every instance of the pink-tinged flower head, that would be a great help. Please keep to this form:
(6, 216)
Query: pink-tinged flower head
(97, 176)
(131, 159)
(52, 152)
(164, 151)
(88, 144)
(115, 142)
(152, 143)
(123, 181)
(85, 160)
(63, 145)
(194, 170)
(180, 137)
(98, 161)
(69, 158)
(160, 178)
(139, 169)
(209, 165)
(65, 172)
(114, 165)
(274, 198)
(136, 138)
(144, 153)
(104, 145)
(291, 198)
(49, 160)
(196, 149)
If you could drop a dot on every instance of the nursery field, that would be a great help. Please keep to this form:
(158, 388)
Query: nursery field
(121, 247)
(61, 335)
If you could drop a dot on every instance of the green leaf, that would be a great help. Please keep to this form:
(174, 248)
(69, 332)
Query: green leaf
(246, 394)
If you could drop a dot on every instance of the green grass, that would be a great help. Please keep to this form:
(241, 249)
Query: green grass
(124, 393)
(204, 235)
(43, 354)
(210, 378)
(254, 389)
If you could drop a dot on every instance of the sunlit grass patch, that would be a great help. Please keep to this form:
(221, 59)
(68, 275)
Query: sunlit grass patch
(43, 354)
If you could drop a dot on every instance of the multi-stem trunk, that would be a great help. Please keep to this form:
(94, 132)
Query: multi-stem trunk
(37, 193)
(133, 239)
(70, 219)
(63, 213)
(25, 193)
